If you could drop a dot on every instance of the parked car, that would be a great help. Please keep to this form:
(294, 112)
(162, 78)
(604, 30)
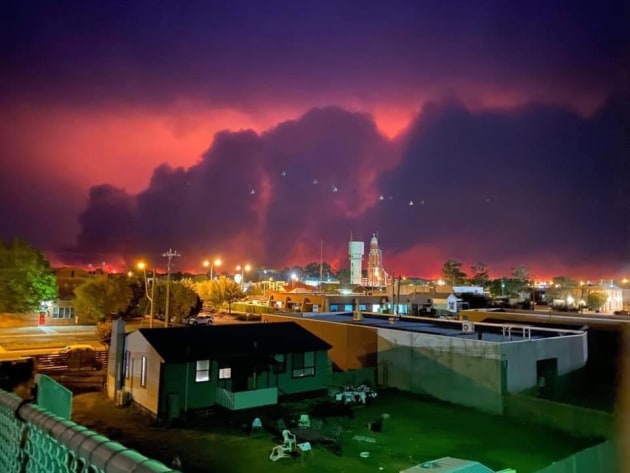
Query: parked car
(76, 346)
(198, 320)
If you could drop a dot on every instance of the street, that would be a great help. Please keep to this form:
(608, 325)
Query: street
(16, 342)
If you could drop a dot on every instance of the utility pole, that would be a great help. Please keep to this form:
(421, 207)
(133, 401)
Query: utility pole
(152, 313)
(321, 264)
(169, 254)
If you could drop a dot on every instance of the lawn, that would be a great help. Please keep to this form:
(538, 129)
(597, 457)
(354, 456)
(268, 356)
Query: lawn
(417, 429)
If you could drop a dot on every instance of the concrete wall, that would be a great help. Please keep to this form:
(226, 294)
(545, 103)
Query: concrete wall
(353, 347)
(571, 351)
(462, 371)
(575, 420)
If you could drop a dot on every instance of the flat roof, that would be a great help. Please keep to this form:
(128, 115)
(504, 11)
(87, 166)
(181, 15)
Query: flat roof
(490, 332)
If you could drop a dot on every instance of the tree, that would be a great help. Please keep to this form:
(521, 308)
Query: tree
(100, 298)
(203, 289)
(182, 300)
(507, 287)
(312, 270)
(521, 273)
(26, 279)
(479, 275)
(344, 275)
(104, 331)
(561, 288)
(595, 300)
(226, 291)
(452, 273)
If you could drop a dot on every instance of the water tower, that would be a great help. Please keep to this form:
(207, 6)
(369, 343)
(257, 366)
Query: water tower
(355, 251)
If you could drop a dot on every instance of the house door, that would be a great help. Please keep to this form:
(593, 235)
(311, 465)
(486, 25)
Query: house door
(239, 380)
(546, 373)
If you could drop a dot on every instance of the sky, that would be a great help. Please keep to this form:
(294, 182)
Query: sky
(265, 131)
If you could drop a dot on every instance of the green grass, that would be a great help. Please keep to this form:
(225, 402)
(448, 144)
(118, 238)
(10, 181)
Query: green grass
(418, 429)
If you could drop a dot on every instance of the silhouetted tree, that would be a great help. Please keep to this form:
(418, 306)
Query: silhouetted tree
(344, 275)
(479, 275)
(452, 273)
(596, 300)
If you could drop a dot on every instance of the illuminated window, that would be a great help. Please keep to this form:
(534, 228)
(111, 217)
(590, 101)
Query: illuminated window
(303, 364)
(143, 372)
(225, 373)
(203, 371)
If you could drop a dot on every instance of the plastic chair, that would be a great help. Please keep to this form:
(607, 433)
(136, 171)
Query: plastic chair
(290, 441)
(305, 421)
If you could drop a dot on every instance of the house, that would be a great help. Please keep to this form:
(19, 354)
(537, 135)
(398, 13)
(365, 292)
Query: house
(170, 371)
(460, 361)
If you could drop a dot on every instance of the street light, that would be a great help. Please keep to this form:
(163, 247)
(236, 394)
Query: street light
(243, 269)
(143, 267)
(216, 262)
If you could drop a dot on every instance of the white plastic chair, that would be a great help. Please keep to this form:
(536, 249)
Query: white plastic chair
(305, 421)
(290, 441)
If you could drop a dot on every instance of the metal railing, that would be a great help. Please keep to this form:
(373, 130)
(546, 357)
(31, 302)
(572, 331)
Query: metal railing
(33, 440)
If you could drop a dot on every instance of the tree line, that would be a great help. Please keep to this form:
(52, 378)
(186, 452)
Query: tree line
(519, 282)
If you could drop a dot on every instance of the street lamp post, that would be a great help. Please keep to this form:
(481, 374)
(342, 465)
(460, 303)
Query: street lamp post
(151, 298)
(242, 269)
(169, 254)
(216, 262)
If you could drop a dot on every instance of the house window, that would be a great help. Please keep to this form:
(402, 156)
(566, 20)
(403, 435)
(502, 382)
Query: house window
(303, 364)
(202, 372)
(127, 363)
(63, 312)
(143, 372)
(280, 366)
(225, 373)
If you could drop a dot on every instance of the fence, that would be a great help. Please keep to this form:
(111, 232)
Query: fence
(600, 458)
(34, 440)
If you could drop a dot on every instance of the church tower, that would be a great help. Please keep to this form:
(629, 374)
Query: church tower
(376, 273)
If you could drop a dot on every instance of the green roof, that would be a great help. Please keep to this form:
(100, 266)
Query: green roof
(449, 465)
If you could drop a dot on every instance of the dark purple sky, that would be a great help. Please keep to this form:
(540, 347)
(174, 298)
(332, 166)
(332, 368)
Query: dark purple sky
(132, 127)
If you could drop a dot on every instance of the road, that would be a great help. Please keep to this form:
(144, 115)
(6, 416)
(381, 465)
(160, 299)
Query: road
(16, 342)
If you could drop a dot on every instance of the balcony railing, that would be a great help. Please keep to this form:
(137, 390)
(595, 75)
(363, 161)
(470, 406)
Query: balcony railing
(246, 399)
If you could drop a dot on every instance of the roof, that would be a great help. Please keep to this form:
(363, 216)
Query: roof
(432, 326)
(449, 465)
(179, 344)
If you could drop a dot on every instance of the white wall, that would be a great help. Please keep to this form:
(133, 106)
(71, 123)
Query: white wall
(459, 370)
(571, 352)
(468, 371)
(148, 396)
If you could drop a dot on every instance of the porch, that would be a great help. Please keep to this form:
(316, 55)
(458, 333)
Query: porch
(246, 399)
